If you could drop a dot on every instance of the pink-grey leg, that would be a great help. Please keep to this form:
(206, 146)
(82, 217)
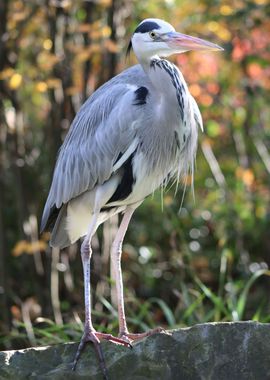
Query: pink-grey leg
(86, 253)
(116, 253)
(90, 335)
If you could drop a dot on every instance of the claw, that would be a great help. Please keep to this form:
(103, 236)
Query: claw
(101, 358)
(91, 337)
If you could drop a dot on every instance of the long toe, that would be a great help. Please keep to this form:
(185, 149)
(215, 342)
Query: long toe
(95, 337)
(113, 339)
(91, 336)
(130, 337)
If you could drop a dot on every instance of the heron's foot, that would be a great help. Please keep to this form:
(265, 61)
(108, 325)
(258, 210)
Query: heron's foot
(95, 337)
(114, 339)
(130, 337)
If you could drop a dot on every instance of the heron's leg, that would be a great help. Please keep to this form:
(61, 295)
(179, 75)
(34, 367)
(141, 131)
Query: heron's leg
(116, 262)
(86, 253)
(116, 253)
(90, 335)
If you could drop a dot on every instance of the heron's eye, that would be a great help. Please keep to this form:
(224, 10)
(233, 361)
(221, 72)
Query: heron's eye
(152, 35)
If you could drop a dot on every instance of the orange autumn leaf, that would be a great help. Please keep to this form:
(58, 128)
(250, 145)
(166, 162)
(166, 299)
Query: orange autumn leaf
(24, 246)
(246, 175)
(254, 70)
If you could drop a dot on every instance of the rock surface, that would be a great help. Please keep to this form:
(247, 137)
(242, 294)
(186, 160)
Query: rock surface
(212, 351)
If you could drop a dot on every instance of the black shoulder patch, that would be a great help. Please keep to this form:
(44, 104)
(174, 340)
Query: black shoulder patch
(147, 26)
(125, 186)
(140, 96)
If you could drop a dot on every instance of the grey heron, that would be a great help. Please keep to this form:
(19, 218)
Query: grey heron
(132, 135)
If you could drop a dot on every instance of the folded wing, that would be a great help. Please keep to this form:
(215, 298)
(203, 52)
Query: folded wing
(102, 134)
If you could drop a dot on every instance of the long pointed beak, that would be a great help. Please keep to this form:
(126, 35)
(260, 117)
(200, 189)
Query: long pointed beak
(183, 42)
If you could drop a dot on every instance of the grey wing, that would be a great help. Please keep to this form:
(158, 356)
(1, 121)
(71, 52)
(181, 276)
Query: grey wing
(103, 130)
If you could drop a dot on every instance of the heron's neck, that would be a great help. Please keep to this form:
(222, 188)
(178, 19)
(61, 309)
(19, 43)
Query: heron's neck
(167, 81)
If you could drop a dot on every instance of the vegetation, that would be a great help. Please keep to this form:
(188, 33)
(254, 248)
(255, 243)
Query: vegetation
(205, 261)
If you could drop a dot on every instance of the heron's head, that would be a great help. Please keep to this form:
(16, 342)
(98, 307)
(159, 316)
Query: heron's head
(155, 37)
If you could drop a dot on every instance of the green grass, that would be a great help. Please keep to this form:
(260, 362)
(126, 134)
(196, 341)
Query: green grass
(197, 303)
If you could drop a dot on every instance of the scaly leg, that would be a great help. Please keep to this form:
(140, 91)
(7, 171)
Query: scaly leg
(116, 253)
(90, 335)
(117, 273)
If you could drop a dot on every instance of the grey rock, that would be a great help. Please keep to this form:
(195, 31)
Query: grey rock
(212, 351)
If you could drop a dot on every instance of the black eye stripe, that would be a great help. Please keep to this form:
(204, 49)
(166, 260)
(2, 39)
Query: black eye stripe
(146, 27)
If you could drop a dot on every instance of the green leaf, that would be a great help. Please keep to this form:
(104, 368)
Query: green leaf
(241, 304)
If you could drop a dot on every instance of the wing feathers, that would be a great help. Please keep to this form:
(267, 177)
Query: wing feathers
(104, 128)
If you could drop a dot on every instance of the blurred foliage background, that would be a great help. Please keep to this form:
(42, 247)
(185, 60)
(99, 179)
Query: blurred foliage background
(205, 261)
